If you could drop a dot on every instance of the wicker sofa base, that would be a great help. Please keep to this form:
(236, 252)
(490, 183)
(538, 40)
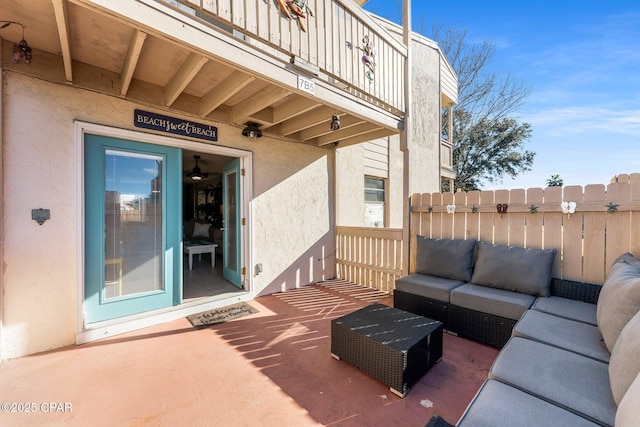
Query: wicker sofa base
(423, 306)
(483, 327)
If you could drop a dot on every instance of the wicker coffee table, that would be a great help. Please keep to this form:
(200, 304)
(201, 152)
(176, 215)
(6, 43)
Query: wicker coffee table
(393, 346)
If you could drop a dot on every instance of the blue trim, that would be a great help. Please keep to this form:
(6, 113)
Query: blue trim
(230, 272)
(95, 307)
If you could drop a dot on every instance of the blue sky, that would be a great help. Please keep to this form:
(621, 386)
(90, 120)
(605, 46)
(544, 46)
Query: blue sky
(582, 61)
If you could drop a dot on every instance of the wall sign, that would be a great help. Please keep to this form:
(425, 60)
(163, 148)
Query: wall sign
(147, 120)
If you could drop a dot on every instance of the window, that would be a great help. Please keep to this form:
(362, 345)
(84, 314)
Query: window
(374, 202)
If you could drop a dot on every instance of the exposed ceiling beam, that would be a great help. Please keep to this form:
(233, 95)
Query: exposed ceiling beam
(365, 137)
(62, 21)
(324, 128)
(225, 90)
(188, 70)
(346, 133)
(131, 60)
(312, 118)
(296, 106)
(257, 102)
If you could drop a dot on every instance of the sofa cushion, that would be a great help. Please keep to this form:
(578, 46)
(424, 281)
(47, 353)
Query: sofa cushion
(568, 308)
(498, 302)
(559, 376)
(625, 359)
(498, 404)
(448, 258)
(437, 288)
(559, 332)
(514, 269)
(627, 414)
(619, 298)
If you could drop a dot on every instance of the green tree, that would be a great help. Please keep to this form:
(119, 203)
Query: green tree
(555, 181)
(488, 142)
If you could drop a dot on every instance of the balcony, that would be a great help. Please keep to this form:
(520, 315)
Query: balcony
(230, 61)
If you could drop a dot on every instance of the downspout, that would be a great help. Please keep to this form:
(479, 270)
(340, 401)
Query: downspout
(405, 137)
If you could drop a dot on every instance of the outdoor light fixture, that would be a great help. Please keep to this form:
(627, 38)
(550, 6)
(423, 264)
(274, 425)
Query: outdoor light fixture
(21, 51)
(252, 131)
(196, 174)
(335, 123)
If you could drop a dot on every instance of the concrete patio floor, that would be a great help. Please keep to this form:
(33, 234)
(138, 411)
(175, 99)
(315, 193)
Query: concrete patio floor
(272, 368)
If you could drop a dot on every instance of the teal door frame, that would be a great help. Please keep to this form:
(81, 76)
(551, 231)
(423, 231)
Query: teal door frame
(232, 219)
(97, 306)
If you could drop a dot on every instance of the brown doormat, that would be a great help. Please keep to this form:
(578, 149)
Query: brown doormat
(220, 315)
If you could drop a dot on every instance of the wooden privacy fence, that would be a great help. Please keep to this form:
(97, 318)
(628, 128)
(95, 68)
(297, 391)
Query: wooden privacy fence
(605, 222)
(369, 256)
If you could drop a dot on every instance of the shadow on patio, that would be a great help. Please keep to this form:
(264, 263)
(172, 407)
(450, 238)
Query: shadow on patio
(270, 368)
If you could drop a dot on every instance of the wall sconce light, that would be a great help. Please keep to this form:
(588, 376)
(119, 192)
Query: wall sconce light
(568, 207)
(252, 131)
(21, 51)
(451, 209)
(335, 123)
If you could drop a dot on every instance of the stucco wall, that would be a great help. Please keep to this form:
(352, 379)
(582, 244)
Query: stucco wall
(424, 144)
(292, 209)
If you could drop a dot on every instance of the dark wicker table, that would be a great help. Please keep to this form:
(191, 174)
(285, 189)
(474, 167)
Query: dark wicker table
(392, 345)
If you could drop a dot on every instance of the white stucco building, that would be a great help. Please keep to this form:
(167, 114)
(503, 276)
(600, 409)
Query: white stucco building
(100, 193)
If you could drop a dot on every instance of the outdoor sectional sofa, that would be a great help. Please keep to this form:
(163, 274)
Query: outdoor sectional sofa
(572, 354)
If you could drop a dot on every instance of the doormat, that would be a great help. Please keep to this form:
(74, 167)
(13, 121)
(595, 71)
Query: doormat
(221, 315)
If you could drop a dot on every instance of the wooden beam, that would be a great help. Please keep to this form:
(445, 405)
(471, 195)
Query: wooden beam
(324, 128)
(346, 133)
(257, 102)
(62, 21)
(188, 70)
(365, 137)
(130, 62)
(311, 118)
(225, 90)
(293, 108)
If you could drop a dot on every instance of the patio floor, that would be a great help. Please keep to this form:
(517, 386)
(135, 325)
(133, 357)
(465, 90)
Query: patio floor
(272, 368)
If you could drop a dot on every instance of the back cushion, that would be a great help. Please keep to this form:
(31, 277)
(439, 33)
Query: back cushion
(448, 258)
(514, 269)
(619, 298)
(627, 413)
(624, 364)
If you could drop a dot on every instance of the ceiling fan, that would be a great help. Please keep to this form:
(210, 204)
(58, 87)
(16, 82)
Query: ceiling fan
(196, 174)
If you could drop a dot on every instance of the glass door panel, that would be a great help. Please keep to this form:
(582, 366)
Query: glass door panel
(132, 241)
(231, 242)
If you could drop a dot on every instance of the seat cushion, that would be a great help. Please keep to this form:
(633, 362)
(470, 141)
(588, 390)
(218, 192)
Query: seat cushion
(564, 307)
(559, 332)
(498, 302)
(514, 269)
(448, 258)
(619, 298)
(499, 404)
(433, 287)
(559, 376)
(627, 414)
(625, 359)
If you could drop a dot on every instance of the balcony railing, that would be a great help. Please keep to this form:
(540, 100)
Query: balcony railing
(333, 37)
(371, 257)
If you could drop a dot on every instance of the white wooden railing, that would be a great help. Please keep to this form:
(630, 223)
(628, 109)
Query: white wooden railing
(331, 37)
(369, 256)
